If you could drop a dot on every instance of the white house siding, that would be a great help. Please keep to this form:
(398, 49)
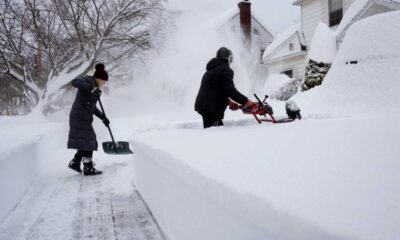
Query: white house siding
(259, 42)
(347, 4)
(324, 12)
(296, 64)
(315, 11)
(312, 13)
(285, 49)
(262, 40)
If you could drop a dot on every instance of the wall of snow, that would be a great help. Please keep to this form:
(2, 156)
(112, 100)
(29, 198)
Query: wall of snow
(332, 179)
(24, 148)
(188, 205)
(363, 79)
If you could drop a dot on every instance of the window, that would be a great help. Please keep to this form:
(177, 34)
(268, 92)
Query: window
(291, 46)
(256, 32)
(335, 12)
(288, 73)
(262, 54)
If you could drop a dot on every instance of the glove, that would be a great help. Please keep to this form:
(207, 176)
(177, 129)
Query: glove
(252, 106)
(233, 106)
(106, 121)
(95, 91)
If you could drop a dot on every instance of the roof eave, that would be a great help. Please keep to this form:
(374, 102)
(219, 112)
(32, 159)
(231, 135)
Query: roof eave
(281, 58)
(297, 2)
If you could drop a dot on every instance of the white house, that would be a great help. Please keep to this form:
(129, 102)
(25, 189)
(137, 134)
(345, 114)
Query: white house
(287, 54)
(246, 25)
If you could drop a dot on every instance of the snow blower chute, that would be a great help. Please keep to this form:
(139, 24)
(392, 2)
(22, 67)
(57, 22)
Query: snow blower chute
(113, 147)
(264, 109)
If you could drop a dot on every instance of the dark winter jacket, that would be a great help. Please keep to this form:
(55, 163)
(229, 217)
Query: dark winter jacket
(81, 134)
(216, 88)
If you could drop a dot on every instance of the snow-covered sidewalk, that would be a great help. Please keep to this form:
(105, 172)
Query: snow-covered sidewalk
(56, 203)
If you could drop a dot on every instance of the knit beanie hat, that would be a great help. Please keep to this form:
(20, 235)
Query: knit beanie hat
(225, 54)
(100, 72)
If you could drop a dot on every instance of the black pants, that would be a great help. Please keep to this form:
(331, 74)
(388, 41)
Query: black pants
(80, 153)
(211, 121)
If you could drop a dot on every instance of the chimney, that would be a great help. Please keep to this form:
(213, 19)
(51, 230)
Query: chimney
(245, 19)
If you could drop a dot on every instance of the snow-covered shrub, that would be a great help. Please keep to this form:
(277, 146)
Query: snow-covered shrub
(315, 74)
(323, 50)
(281, 87)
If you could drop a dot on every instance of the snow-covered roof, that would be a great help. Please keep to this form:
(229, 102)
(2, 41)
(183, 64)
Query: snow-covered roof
(225, 17)
(231, 13)
(262, 24)
(358, 9)
(282, 39)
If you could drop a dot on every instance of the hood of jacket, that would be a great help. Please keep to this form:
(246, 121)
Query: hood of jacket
(216, 62)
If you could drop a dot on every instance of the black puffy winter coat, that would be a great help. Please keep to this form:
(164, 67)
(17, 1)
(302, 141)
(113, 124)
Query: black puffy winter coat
(216, 88)
(81, 134)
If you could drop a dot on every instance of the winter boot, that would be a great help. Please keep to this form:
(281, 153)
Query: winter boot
(88, 168)
(75, 165)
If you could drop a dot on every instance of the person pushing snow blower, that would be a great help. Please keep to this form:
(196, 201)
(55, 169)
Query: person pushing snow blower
(217, 90)
(81, 134)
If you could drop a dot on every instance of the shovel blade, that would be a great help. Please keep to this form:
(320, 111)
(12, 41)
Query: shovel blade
(118, 148)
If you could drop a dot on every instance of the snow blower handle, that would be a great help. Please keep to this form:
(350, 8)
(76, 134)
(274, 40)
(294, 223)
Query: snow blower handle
(258, 100)
(109, 129)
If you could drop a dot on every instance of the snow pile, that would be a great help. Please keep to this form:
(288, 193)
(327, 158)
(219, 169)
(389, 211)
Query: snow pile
(329, 179)
(351, 14)
(363, 79)
(23, 151)
(323, 47)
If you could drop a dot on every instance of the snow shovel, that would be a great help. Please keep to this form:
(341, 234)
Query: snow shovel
(113, 147)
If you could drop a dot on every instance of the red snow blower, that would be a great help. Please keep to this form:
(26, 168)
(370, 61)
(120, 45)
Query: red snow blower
(267, 114)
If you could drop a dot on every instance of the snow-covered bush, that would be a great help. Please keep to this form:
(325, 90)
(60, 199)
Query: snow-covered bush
(314, 74)
(280, 87)
(323, 50)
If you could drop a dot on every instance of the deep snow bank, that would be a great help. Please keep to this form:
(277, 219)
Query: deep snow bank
(332, 179)
(24, 147)
(363, 79)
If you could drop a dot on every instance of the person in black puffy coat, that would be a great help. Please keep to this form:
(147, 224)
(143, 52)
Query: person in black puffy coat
(217, 90)
(81, 134)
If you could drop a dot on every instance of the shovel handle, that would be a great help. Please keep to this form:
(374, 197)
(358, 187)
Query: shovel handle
(104, 113)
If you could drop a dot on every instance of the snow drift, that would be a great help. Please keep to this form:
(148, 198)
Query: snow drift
(22, 157)
(323, 47)
(333, 179)
(363, 79)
